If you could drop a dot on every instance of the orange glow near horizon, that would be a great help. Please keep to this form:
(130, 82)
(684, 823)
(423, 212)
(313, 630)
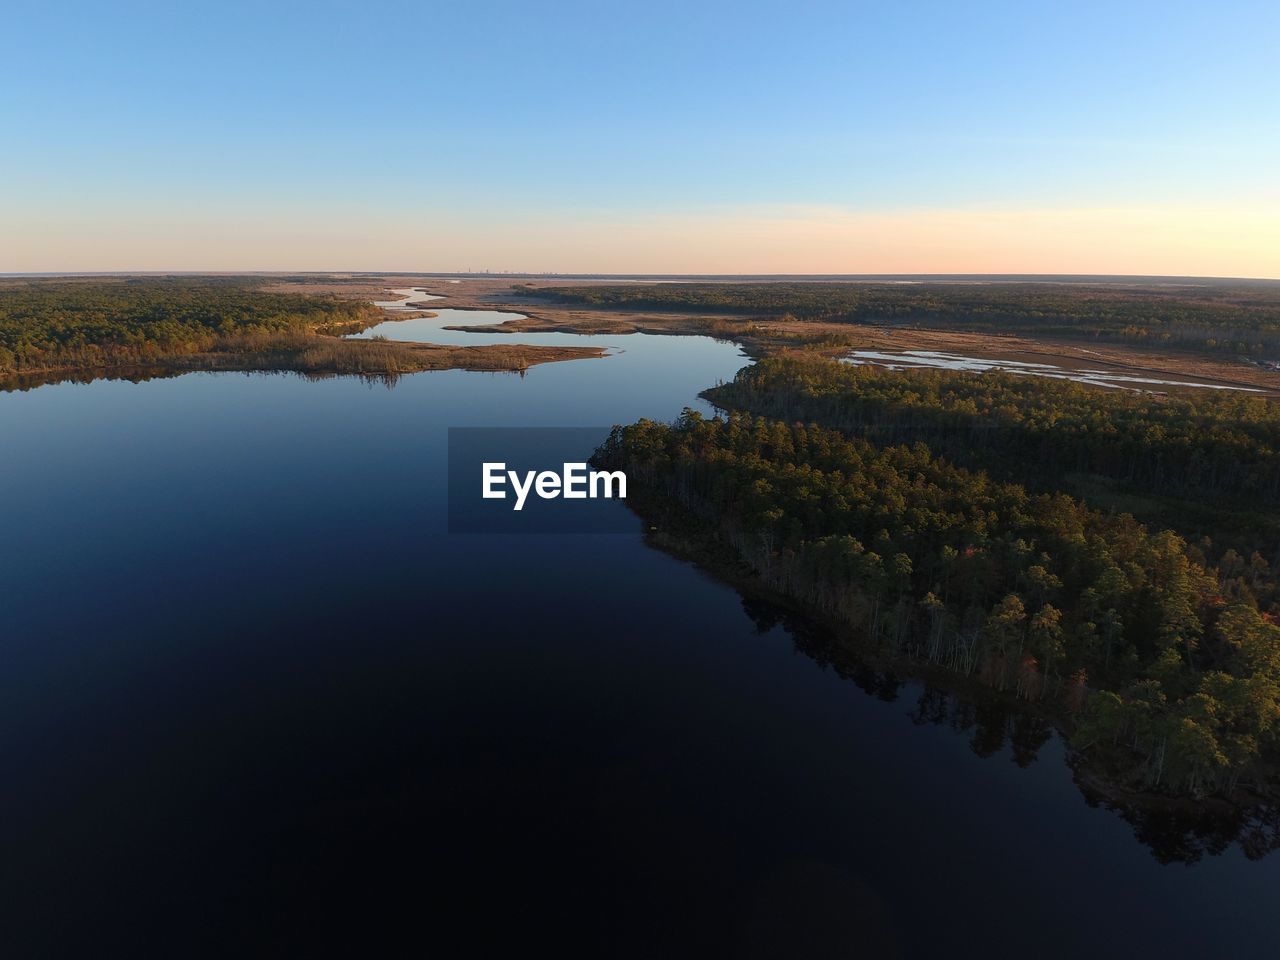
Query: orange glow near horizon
(1190, 240)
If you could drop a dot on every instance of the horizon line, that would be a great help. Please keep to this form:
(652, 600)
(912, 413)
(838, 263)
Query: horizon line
(580, 275)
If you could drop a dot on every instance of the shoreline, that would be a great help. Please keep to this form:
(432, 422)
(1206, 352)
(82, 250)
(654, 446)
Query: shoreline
(763, 335)
(320, 352)
(676, 532)
(317, 355)
(757, 336)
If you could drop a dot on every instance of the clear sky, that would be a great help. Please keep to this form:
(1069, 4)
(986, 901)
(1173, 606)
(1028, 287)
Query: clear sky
(690, 137)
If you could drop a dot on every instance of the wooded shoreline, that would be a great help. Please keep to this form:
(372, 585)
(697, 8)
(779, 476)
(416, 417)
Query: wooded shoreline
(834, 643)
(57, 330)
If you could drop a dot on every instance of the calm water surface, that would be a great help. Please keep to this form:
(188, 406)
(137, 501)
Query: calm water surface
(254, 699)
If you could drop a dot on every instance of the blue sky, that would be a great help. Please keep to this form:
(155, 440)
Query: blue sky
(636, 137)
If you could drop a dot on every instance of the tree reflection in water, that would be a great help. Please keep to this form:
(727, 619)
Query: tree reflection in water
(1174, 831)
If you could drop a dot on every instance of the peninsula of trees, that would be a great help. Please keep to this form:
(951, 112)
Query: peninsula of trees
(1160, 657)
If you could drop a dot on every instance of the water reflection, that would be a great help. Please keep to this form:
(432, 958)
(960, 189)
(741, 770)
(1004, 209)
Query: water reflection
(1174, 831)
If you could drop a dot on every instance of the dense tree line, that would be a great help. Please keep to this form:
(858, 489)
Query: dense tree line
(1206, 464)
(1206, 444)
(1222, 316)
(1166, 667)
(50, 324)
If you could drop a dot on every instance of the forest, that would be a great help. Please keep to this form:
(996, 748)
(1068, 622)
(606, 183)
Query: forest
(1206, 463)
(83, 323)
(1163, 667)
(1223, 317)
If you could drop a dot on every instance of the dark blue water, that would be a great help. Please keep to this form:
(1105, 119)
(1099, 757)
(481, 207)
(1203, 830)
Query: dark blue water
(254, 700)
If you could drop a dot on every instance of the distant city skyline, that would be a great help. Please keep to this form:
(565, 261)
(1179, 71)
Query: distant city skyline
(726, 138)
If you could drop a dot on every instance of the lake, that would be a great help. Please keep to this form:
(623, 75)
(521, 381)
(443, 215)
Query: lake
(254, 698)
